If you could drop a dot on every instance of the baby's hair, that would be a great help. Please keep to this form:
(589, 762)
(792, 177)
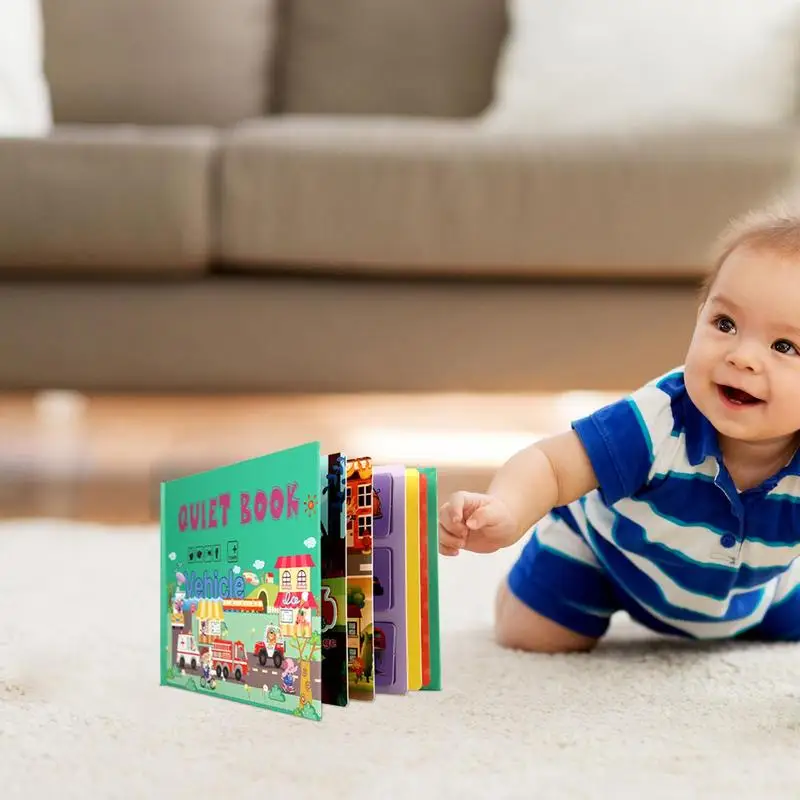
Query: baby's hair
(775, 228)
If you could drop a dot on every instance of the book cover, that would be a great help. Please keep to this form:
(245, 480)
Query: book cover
(361, 511)
(389, 564)
(240, 581)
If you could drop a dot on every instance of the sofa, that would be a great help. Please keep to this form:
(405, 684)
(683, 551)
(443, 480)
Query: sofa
(303, 196)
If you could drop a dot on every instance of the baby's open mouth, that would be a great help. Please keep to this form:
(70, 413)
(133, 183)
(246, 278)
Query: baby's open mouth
(738, 396)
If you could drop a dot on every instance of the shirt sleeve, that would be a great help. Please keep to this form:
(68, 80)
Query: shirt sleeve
(622, 440)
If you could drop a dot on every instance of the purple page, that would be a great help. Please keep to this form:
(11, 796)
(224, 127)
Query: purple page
(389, 582)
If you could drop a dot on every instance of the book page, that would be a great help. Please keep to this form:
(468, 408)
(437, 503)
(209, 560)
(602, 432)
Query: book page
(333, 606)
(413, 590)
(360, 615)
(389, 557)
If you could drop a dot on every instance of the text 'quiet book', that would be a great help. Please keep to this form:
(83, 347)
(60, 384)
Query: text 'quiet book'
(295, 580)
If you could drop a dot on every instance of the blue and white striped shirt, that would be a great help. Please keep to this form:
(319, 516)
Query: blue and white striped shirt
(668, 524)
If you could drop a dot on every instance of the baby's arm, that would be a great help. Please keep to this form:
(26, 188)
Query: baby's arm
(613, 450)
(548, 473)
(552, 472)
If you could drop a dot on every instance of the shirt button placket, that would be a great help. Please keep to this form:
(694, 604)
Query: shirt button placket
(724, 551)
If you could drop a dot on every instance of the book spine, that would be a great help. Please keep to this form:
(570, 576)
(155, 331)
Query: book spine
(162, 586)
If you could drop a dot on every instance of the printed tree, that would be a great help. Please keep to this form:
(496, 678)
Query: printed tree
(306, 647)
(356, 597)
(171, 589)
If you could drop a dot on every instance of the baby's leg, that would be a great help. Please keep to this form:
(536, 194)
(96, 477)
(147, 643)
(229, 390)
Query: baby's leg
(782, 621)
(557, 597)
(519, 627)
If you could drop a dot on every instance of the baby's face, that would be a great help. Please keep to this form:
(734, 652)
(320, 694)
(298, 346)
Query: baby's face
(743, 366)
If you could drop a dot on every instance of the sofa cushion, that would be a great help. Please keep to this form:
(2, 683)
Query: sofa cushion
(206, 62)
(445, 196)
(106, 200)
(410, 57)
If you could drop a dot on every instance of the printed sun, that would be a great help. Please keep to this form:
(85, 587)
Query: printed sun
(310, 504)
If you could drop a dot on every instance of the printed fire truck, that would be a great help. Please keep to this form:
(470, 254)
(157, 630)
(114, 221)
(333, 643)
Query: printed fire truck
(229, 657)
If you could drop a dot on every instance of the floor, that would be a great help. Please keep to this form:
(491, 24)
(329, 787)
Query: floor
(639, 717)
(101, 458)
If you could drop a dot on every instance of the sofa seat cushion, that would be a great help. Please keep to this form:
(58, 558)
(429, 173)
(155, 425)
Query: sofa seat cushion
(107, 200)
(444, 196)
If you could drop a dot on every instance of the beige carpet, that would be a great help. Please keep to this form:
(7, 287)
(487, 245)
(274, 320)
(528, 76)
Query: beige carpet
(82, 714)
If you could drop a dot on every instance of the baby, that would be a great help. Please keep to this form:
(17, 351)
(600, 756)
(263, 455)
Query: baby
(680, 503)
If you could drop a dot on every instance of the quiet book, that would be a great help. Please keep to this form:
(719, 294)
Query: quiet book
(297, 579)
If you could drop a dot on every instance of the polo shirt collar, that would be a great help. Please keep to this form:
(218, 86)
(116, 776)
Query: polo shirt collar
(701, 436)
(702, 441)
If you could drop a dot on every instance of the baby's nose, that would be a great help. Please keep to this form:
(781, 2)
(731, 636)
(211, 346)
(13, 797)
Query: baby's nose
(745, 357)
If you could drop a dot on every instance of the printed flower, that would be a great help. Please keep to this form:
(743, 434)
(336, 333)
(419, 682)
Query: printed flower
(258, 564)
(310, 542)
(236, 570)
(172, 556)
(310, 504)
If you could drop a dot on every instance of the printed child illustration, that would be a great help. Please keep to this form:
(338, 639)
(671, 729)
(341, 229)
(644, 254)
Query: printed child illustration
(206, 668)
(177, 616)
(289, 676)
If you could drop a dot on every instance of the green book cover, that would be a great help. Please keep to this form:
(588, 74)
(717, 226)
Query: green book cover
(240, 581)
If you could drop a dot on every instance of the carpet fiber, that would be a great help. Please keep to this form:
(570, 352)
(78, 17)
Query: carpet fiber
(82, 714)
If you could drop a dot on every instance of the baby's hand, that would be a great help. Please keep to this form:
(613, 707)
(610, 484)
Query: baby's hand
(480, 523)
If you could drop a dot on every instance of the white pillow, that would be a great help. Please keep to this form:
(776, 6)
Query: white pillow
(25, 108)
(605, 66)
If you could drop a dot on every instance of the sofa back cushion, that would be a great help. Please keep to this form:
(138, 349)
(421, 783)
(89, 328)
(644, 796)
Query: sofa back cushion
(393, 57)
(204, 62)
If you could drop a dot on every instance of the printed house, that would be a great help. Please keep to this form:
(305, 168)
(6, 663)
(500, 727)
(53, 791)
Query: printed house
(353, 631)
(359, 502)
(209, 617)
(295, 601)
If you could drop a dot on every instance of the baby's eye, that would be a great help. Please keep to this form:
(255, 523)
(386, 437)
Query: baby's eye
(785, 347)
(724, 324)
